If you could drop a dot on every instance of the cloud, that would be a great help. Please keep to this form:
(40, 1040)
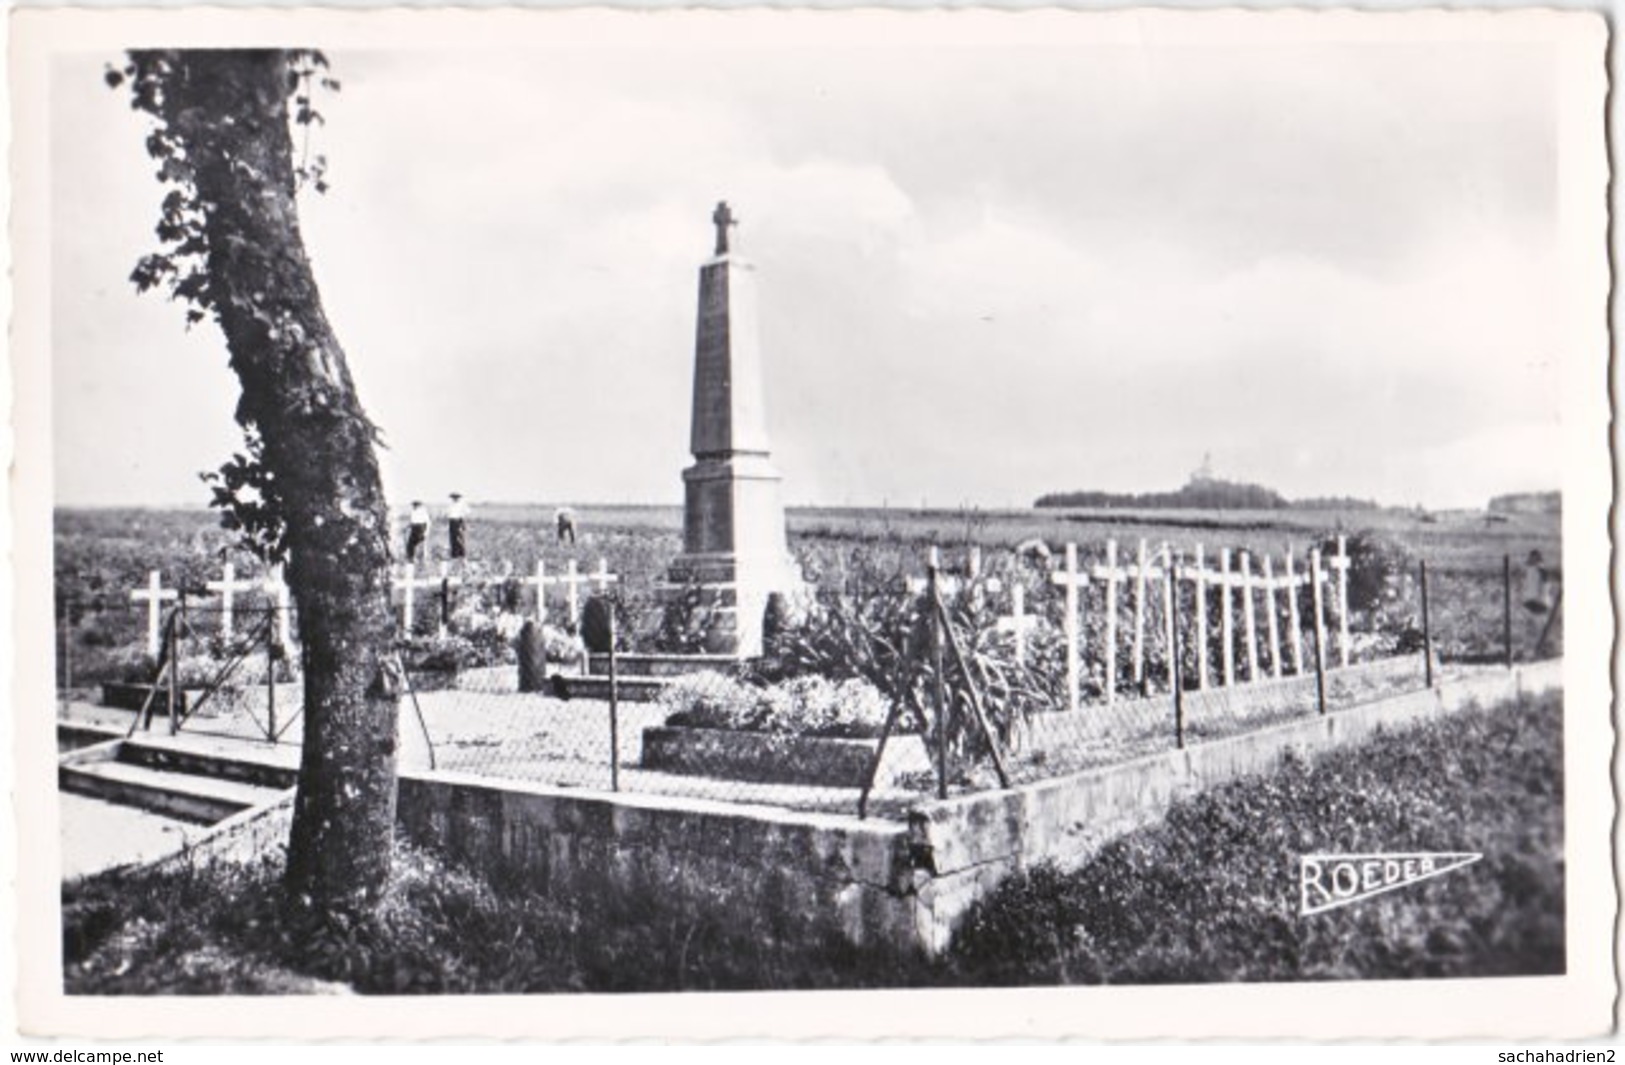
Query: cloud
(985, 271)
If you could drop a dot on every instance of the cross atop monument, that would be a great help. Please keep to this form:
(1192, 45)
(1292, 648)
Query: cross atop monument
(724, 219)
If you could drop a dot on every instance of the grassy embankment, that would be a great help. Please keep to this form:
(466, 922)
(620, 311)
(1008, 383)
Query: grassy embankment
(1209, 894)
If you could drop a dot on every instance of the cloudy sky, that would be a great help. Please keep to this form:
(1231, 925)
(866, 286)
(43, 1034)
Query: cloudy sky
(991, 264)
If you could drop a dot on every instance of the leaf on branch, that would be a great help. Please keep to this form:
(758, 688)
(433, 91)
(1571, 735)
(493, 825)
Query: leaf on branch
(244, 490)
(114, 78)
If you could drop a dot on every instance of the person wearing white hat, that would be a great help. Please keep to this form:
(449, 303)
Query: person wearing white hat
(417, 530)
(457, 521)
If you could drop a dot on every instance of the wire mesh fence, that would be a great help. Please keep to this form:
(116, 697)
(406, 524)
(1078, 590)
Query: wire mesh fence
(882, 686)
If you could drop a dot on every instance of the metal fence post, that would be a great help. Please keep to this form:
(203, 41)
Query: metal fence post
(270, 673)
(939, 686)
(1427, 629)
(1315, 575)
(175, 661)
(1172, 601)
(614, 711)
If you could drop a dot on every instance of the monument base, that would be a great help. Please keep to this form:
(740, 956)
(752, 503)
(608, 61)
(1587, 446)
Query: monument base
(716, 603)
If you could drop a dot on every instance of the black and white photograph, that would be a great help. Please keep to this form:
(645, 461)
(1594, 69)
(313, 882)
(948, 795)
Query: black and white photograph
(582, 519)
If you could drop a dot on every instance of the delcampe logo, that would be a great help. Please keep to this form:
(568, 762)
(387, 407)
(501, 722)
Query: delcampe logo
(1327, 881)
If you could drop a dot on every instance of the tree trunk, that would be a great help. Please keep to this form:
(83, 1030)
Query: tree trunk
(229, 110)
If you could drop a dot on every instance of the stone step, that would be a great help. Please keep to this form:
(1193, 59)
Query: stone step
(650, 665)
(177, 760)
(184, 796)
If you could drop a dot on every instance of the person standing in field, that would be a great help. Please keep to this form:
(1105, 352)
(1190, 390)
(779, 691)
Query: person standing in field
(565, 518)
(417, 530)
(457, 522)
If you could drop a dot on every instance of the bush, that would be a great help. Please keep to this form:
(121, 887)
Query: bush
(1375, 562)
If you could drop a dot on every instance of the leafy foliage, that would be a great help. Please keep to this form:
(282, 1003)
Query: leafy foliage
(243, 489)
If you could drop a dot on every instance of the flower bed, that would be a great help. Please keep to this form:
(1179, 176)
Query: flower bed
(809, 730)
(805, 706)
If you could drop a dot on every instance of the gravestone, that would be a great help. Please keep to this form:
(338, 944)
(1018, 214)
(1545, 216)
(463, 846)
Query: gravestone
(734, 547)
(598, 625)
(532, 658)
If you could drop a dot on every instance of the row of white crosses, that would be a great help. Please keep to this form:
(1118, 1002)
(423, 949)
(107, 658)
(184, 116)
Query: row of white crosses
(271, 585)
(275, 588)
(1074, 581)
(573, 580)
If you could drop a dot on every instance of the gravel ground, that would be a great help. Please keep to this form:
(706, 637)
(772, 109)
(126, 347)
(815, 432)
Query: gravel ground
(484, 727)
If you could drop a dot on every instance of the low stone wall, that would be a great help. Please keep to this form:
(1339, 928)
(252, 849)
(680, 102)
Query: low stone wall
(969, 843)
(809, 875)
(813, 875)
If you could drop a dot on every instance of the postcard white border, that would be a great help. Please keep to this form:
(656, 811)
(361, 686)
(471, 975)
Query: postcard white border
(1579, 1004)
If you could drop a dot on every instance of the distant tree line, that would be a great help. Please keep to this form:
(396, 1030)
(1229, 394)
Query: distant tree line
(1203, 494)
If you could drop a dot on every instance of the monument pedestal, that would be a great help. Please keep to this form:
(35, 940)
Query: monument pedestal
(734, 555)
(734, 548)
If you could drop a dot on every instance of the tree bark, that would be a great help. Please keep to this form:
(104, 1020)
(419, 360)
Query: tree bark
(229, 111)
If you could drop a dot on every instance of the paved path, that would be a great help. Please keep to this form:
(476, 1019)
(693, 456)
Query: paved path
(99, 835)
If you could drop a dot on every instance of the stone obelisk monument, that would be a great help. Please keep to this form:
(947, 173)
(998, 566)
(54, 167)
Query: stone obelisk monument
(734, 550)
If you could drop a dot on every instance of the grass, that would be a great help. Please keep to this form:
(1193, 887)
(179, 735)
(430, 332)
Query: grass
(1209, 894)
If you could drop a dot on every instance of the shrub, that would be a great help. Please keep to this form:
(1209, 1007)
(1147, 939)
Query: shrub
(1375, 562)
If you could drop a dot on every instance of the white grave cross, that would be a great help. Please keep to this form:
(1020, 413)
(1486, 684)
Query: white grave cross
(603, 578)
(572, 582)
(1169, 642)
(154, 595)
(541, 580)
(410, 582)
(1071, 580)
(1018, 622)
(1199, 574)
(1111, 574)
(1249, 617)
(1341, 565)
